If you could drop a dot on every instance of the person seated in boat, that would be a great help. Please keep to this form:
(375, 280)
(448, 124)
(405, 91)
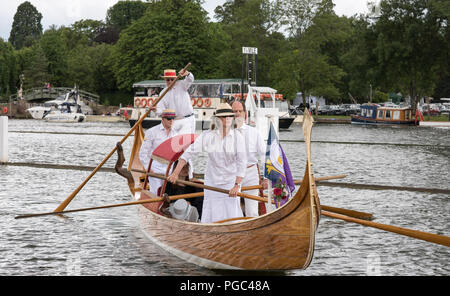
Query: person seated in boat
(256, 151)
(153, 138)
(183, 210)
(177, 189)
(225, 168)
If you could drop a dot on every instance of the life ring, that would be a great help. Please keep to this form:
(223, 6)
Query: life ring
(207, 102)
(137, 102)
(5, 110)
(143, 102)
(199, 102)
(193, 102)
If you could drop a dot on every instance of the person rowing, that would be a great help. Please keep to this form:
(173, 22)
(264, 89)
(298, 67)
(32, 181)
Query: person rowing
(226, 167)
(153, 138)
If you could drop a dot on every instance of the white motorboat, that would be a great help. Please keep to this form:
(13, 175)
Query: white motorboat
(72, 97)
(58, 116)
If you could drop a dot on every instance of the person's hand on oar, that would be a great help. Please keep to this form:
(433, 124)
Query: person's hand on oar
(173, 178)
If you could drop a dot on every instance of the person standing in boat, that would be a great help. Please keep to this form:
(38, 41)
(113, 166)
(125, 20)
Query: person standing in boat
(179, 100)
(256, 151)
(225, 169)
(153, 138)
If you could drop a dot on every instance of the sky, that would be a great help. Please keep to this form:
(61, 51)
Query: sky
(67, 12)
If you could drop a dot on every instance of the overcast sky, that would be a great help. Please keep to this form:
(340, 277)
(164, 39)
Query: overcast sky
(66, 12)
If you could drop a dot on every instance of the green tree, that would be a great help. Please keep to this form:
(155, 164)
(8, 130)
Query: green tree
(359, 61)
(26, 26)
(251, 23)
(169, 35)
(409, 34)
(308, 60)
(54, 49)
(88, 28)
(442, 90)
(8, 72)
(34, 66)
(123, 13)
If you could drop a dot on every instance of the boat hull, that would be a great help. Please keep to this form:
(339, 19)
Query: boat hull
(65, 117)
(368, 121)
(281, 240)
(285, 122)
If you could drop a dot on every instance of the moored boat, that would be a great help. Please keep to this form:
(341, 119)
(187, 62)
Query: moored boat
(279, 240)
(378, 115)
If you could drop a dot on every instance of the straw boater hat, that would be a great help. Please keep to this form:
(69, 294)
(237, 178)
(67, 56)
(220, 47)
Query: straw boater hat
(169, 73)
(181, 210)
(224, 110)
(168, 113)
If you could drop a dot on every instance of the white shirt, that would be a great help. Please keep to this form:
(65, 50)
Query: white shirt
(178, 98)
(153, 138)
(255, 147)
(226, 157)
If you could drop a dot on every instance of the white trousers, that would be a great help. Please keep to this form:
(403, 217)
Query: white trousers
(251, 178)
(219, 206)
(155, 183)
(185, 125)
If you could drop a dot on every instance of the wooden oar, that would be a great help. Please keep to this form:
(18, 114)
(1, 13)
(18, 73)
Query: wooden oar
(138, 202)
(426, 236)
(64, 204)
(197, 185)
(296, 182)
(351, 213)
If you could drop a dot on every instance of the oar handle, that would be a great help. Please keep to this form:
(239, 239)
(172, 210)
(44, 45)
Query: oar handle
(66, 202)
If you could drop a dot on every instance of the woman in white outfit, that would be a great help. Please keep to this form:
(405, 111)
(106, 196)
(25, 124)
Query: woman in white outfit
(226, 166)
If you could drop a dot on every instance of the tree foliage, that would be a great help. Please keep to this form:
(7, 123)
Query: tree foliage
(303, 46)
(8, 69)
(169, 35)
(26, 26)
(123, 13)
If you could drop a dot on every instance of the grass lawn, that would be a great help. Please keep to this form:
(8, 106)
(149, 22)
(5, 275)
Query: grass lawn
(445, 117)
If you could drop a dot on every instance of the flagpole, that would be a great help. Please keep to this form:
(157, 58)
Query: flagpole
(269, 187)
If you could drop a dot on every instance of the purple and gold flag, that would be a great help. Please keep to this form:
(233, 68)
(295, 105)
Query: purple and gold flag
(277, 167)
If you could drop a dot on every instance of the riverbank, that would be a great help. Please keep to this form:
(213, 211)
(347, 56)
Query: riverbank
(439, 120)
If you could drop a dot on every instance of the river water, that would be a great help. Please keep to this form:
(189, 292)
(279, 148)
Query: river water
(109, 242)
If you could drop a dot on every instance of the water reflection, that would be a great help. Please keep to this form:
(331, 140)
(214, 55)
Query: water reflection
(109, 242)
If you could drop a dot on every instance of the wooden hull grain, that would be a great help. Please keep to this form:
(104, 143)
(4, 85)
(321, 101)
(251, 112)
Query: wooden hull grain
(280, 240)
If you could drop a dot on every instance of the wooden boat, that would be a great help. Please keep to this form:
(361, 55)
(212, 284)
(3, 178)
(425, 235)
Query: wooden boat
(377, 115)
(280, 240)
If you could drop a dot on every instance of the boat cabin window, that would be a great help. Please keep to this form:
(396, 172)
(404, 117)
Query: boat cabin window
(281, 105)
(396, 115)
(369, 113)
(380, 114)
(363, 112)
(407, 114)
(154, 91)
(140, 92)
(205, 90)
(388, 114)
